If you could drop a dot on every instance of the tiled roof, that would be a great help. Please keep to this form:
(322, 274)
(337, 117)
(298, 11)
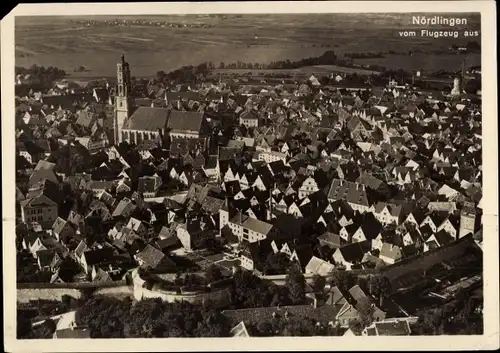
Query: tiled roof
(253, 224)
(320, 267)
(147, 119)
(348, 191)
(97, 256)
(151, 256)
(185, 121)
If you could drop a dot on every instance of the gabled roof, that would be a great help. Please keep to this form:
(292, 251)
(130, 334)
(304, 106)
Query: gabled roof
(151, 256)
(41, 174)
(239, 330)
(147, 119)
(352, 252)
(320, 267)
(185, 121)
(39, 200)
(97, 256)
(390, 327)
(335, 297)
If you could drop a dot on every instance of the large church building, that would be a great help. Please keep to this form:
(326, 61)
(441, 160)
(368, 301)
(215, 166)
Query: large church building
(136, 124)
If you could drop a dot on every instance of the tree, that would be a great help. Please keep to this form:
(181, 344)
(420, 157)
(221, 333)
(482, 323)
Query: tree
(344, 280)
(265, 329)
(380, 287)
(319, 283)
(213, 273)
(23, 327)
(276, 263)
(45, 330)
(104, 316)
(296, 284)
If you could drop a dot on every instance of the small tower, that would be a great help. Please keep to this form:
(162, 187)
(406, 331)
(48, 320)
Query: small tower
(456, 87)
(467, 219)
(123, 103)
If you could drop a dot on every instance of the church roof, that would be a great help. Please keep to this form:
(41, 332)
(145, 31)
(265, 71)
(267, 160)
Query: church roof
(147, 119)
(185, 121)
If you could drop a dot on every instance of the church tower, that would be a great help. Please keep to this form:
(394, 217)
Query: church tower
(456, 87)
(122, 98)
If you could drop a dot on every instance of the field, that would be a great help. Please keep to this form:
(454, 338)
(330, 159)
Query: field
(307, 70)
(55, 41)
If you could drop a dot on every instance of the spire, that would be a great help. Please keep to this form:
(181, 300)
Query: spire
(123, 58)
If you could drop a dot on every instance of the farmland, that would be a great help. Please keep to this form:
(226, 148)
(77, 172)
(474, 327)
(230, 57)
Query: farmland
(57, 41)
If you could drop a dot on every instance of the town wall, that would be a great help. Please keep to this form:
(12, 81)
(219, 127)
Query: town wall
(27, 292)
(218, 298)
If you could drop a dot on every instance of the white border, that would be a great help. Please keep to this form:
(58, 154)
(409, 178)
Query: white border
(490, 339)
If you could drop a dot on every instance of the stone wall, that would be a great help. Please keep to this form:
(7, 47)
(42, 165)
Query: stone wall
(55, 291)
(218, 298)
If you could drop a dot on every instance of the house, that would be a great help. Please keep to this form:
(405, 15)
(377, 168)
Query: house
(308, 186)
(63, 230)
(48, 260)
(251, 257)
(387, 213)
(249, 118)
(151, 257)
(139, 227)
(148, 186)
(239, 330)
(124, 208)
(352, 193)
(349, 255)
(40, 209)
(331, 240)
(270, 156)
(390, 253)
(388, 327)
(319, 267)
(96, 257)
(250, 229)
(190, 233)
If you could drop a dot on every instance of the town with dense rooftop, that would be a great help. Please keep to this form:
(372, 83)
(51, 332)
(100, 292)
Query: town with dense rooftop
(203, 204)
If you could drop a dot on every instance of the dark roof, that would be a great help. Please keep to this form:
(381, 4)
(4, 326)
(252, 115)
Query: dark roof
(352, 252)
(151, 256)
(97, 256)
(185, 121)
(147, 118)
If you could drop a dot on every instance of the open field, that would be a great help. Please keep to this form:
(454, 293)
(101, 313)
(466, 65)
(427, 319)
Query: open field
(307, 70)
(55, 41)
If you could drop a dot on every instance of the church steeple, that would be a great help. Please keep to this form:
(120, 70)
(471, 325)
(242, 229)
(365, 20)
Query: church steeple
(122, 98)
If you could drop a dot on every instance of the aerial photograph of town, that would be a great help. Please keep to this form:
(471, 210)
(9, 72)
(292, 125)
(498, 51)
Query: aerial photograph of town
(239, 175)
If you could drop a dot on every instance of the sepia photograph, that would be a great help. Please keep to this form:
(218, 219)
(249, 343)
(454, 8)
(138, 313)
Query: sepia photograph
(230, 174)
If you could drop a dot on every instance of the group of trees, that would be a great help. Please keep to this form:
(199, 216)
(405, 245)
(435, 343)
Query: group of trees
(44, 75)
(184, 75)
(113, 318)
(293, 326)
(250, 291)
(463, 315)
(363, 55)
(70, 159)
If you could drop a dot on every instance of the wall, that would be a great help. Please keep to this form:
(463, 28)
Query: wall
(219, 298)
(55, 291)
(25, 295)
